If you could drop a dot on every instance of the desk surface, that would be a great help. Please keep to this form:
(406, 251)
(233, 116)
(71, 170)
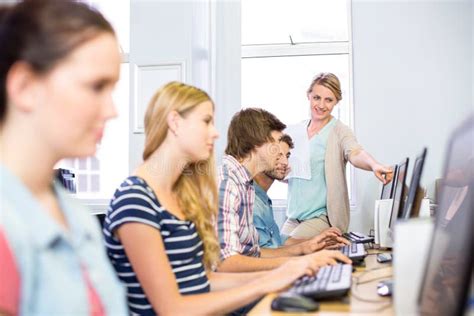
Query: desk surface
(363, 298)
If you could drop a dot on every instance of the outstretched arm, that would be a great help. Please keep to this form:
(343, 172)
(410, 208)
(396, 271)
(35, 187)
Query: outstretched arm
(363, 160)
(223, 280)
(243, 263)
(328, 239)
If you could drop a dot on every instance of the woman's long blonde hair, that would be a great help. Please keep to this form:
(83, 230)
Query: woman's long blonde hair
(196, 187)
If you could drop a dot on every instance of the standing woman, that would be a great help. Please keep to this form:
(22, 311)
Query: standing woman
(159, 227)
(317, 188)
(59, 62)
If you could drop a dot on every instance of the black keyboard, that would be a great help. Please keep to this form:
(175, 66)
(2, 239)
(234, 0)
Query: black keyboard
(355, 252)
(358, 238)
(331, 281)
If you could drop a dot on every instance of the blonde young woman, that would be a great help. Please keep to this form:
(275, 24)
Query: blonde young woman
(159, 227)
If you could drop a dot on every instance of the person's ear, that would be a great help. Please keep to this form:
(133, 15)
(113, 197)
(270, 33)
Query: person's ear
(21, 87)
(173, 119)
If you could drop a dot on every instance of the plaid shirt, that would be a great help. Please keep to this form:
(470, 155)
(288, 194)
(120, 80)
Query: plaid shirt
(235, 228)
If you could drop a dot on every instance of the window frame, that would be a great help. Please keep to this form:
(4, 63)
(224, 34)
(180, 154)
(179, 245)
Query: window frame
(98, 205)
(315, 49)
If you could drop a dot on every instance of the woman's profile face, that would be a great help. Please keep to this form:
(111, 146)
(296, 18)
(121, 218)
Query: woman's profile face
(198, 133)
(322, 101)
(75, 97)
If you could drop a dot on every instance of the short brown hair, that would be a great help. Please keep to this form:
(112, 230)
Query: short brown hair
(287, 139)
(249, 129)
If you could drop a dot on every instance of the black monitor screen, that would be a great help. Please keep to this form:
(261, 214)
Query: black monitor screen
(387, 189)
(449, 264)
(414, 185)
(399, 182)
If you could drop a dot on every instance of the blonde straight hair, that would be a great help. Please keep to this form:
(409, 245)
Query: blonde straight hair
(328, 80)
(196, 188)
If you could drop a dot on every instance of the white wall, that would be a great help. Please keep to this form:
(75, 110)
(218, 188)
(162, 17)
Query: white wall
(204, 36)
(226, 63)
(413, 84)
(160, 33)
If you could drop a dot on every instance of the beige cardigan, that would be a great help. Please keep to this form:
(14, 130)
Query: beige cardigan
(340, 146)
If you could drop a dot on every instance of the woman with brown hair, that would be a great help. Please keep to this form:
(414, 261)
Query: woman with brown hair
(159, 227)
(59, 62)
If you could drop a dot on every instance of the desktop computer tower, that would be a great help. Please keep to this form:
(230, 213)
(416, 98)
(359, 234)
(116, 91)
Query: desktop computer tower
(382, 227)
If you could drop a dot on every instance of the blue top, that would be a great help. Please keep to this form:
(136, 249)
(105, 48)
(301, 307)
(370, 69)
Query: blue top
(135, 201)
(307, 198)
(50, 259)
(268, 231)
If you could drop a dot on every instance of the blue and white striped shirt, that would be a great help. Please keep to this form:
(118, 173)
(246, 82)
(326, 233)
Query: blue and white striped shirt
(135, 201)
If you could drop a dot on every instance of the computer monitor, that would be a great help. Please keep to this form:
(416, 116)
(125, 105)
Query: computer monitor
(399, 191)
(387, 189)
(414, 185)
(449, 269)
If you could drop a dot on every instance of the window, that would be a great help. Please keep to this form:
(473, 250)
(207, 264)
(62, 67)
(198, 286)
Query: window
(283, 50)
(98, 176)
(118, 14)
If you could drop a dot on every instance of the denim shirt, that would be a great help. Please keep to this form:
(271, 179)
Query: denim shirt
(268, 231)
(51, 261)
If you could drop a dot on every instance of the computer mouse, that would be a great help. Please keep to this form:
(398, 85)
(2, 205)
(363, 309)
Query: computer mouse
(384, 288)
(293, 302)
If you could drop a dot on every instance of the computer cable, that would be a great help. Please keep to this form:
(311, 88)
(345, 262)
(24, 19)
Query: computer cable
(375, 253)
(355, 293)
(358, 280)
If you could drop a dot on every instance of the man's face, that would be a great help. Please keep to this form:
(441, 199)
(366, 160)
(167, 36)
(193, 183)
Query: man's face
(268, 154)
(282, 167)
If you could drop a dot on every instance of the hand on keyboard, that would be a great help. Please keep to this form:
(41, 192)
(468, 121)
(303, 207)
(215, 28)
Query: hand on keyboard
(335, 238)
(326, 257)
(335, 230)
(331, 281)
(279, 278)
(328, 239)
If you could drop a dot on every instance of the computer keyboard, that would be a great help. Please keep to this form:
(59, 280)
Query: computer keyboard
(358, 238)
(355, 252)
(331, 281)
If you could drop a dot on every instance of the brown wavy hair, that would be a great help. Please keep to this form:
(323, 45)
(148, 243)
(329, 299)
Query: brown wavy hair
(196, 187)
(250, 128)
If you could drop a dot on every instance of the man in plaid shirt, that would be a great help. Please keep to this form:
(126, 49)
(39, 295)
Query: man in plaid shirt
(253, 147)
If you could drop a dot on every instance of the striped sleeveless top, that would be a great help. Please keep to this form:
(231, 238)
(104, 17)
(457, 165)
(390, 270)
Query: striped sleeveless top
(135, 201)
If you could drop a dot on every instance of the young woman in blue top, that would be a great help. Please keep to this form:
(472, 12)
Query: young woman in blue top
(159, 227)
(59, 62)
